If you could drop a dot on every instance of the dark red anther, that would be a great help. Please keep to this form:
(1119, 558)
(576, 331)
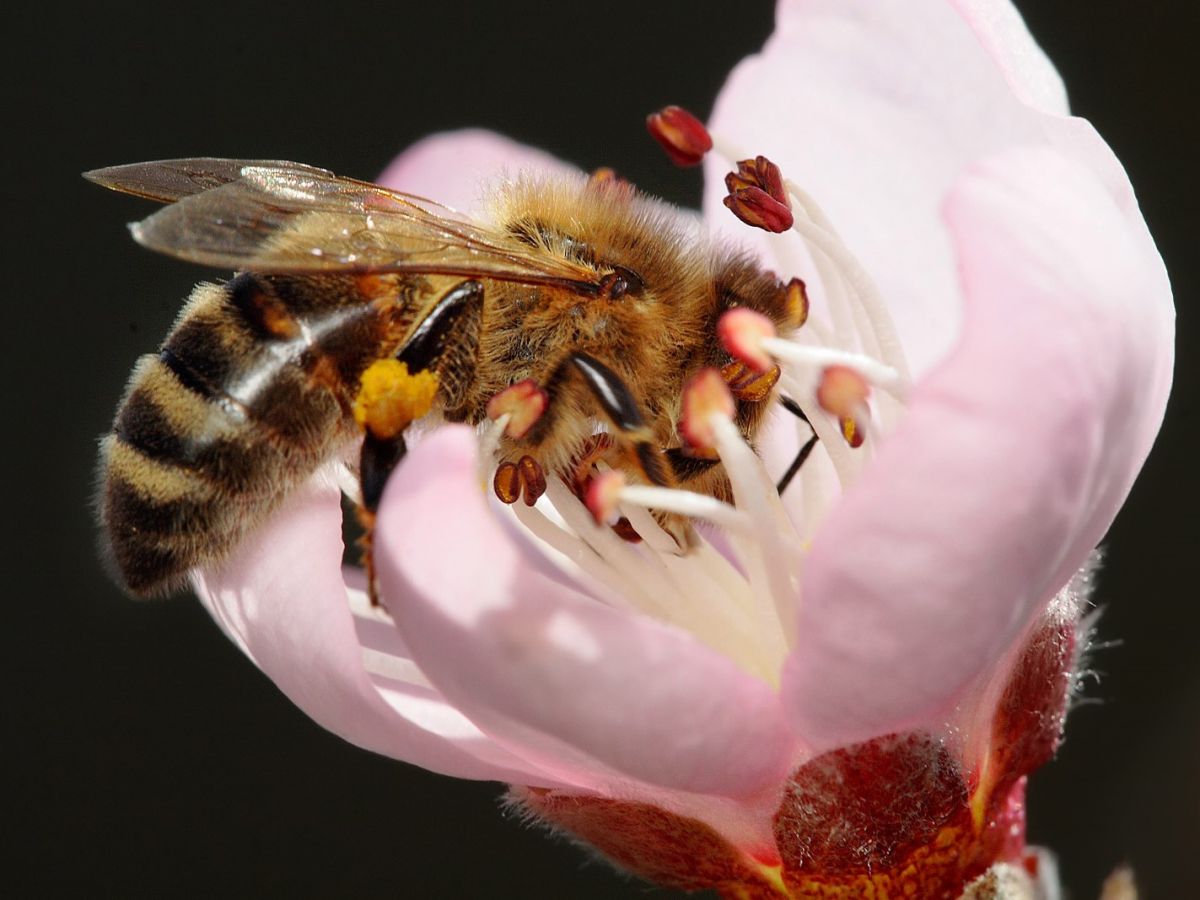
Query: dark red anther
(758, 196)
(624, 529)
(507, 483)
(533, 479)
(756, 207)
(761, 173)
(681, 134)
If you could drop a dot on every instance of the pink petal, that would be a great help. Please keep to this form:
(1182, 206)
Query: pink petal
(457, 167)
(576, 686)
(1004, 35)
(282, 600)
(1013, 458)
(874, 108)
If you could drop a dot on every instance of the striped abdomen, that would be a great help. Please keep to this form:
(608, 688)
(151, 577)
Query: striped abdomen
(249, 394)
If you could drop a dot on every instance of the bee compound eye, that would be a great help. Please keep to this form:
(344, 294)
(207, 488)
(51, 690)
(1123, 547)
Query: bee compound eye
(621, 282)
(633, 281)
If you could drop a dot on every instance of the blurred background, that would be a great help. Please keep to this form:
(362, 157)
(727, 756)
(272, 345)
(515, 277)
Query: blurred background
(146, 756)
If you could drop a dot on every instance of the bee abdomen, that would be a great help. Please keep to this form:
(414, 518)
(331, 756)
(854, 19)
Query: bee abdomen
(160, 519)
(188, 469)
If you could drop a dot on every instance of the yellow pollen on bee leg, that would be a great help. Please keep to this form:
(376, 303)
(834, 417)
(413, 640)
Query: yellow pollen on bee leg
(390, 398)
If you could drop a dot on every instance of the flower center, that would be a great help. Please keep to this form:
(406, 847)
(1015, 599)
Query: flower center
(843, 376)
(735, 588)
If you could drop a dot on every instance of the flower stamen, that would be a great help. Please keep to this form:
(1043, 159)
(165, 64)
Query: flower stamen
(758, 209)
(523, 403)
(845, 281)
(746, 384)
(702, 593)
(680, 134)
(603, 494)
(741, 332)
(757, 195)
(807, 357)
(861, 289)
(796, 302)
(773, 554)
(706, 398)
(684, 503)
(524, 478)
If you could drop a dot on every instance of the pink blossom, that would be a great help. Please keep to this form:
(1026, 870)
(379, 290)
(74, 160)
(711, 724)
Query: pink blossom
(979, 258)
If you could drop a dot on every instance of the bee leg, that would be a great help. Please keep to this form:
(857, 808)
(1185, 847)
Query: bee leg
(379, 456)
(389, 399)
(621, 408)
(751, 388)
(688, 467)
(794, 408)
(447, 341)
(377, 459)
(443, 345)
(617, 403)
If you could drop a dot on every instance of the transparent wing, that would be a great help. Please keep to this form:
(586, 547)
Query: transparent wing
(280, 217)
(168, 180)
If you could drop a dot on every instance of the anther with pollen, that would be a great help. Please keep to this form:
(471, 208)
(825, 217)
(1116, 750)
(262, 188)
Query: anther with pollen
(524, 478)
(757, 195)
(748, 385)
(704, 396)
(603, 496)
(606, 179)
(741, 332)
(523, 403)
(681, 134)
(844, 392)
(796, 301)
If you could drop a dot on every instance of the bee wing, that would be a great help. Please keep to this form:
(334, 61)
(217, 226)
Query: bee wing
(278, 218)
(168, 180)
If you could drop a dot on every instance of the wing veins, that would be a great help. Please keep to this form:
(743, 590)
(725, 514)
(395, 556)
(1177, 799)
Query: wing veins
(288, 218)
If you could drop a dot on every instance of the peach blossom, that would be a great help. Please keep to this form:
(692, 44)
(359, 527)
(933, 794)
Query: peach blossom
(867, 670)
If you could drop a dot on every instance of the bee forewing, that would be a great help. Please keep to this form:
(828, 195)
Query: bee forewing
(169, 180)
(277, 220)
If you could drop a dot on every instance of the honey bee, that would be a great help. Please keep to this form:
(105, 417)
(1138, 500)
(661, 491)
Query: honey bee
(600, 299)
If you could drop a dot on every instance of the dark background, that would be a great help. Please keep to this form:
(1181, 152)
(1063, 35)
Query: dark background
(147, 757)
